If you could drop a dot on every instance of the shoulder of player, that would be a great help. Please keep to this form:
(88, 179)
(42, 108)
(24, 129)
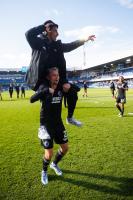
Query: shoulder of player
(125, 84)
(59, 43)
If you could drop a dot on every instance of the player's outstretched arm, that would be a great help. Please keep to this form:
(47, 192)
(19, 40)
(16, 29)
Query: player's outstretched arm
(67, 47)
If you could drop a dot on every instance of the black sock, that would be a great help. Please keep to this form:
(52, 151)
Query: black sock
(58, 157)
(69, 115)
(119, 108)
(45, 164)
(122, 111)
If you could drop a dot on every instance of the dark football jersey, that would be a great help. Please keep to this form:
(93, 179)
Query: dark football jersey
(85, 86)
(52, 107)
(121, 89)
(11, 89)
(112, 85)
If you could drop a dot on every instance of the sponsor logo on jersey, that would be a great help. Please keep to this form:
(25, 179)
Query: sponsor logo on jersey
(58, 98)
(59, 93)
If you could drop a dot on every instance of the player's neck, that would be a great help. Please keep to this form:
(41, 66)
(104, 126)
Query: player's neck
(53, 86)
(50, 38)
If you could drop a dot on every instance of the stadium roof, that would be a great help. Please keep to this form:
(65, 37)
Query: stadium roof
(124, 60)
(10, 69)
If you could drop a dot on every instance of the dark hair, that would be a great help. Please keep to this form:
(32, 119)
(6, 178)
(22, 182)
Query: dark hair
(52, 69)
(50, 24)
(48, 21)
(121, 77)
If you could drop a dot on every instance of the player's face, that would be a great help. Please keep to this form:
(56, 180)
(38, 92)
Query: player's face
(121, 79)
(53, 33)
(54, 77)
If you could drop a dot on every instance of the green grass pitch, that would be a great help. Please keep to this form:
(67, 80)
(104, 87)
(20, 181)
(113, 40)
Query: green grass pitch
(99, 164)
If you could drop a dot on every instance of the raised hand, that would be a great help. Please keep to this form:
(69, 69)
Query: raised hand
(91, 37)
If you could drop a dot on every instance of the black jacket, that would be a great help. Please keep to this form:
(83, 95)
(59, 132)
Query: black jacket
(46, 54)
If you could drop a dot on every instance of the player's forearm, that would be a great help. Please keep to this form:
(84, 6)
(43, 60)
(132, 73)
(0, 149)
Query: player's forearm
(31, 35)
(67, 47)
(33, 32)
(124, 88)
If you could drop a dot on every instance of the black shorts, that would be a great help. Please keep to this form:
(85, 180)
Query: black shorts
(112, 89)
(58, 134)
(121, 99)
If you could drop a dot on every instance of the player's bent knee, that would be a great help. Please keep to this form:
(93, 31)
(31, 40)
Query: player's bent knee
(64, 148)
(48, 154)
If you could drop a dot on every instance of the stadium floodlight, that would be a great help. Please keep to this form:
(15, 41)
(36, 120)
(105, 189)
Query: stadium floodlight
(84, 56)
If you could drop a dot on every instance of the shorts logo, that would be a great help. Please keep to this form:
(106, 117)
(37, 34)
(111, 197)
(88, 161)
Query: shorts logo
(65, 136)
(123, 101)
(46, 144)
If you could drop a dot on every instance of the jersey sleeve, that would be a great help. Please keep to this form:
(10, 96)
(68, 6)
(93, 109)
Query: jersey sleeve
(67, 47)
(33, 38)
(125, 85)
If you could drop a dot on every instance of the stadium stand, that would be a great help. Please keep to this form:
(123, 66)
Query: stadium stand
(97, 76)
(9, 75)
(100, 76)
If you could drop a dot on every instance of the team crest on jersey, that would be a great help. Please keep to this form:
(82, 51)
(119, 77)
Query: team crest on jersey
(59, 93)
